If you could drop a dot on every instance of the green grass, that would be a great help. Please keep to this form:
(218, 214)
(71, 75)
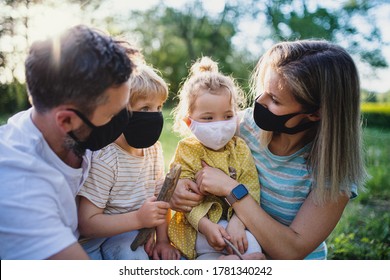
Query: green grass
(363, 231)
(377, 156)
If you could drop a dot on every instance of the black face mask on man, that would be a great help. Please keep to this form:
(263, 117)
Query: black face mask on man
(102, 135)
(267, 120)
(144, 129)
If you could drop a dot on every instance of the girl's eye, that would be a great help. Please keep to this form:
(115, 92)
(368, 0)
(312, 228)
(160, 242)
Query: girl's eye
(207, 118)
(228, 117)
(144, 109)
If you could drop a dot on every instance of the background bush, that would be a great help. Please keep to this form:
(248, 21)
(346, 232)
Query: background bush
(376, 114)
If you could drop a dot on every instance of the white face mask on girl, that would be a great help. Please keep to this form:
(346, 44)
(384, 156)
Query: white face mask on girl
(214, 135)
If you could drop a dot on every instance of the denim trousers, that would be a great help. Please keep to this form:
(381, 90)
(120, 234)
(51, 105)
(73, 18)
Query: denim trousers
(115, 248)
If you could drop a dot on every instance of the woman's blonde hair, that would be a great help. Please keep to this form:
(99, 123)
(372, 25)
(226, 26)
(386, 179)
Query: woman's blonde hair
(203, 76)
(322, 75)
(145, 83)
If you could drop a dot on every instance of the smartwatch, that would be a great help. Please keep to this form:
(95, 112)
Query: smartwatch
(236, 194)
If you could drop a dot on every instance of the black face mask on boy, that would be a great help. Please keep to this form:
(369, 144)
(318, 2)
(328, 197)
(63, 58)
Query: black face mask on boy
(144, 129)
(267, 120)
(102, 135)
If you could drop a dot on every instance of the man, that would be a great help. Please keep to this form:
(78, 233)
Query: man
(78, 85)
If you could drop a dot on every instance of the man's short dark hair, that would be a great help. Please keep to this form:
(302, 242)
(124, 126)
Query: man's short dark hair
(76, 68)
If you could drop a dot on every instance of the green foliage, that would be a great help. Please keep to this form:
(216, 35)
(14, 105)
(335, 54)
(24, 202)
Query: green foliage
(377, 151)
(376, 114)
(363, 233)
(168, 138)
(13, 97)
(379, 120)
(172, 40)
(305, 21)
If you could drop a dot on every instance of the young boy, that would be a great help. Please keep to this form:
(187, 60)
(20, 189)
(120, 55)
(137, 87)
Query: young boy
(118, 198)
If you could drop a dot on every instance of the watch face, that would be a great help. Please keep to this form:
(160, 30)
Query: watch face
(240, 191)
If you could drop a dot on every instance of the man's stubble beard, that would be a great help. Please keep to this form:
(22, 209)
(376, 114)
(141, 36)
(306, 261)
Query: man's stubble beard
(72, 145)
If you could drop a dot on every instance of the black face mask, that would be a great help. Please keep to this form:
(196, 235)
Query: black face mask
(144, 129)
(267, 120)
(102, 135)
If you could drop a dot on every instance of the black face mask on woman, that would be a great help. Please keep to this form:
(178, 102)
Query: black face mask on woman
(102, 135)
(267, 120)
(144, 129)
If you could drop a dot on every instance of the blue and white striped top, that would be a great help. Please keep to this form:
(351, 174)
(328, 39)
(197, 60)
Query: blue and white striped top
(285, 181)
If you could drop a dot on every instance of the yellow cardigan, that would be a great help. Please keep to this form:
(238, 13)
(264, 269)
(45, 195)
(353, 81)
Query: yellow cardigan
(235, 160)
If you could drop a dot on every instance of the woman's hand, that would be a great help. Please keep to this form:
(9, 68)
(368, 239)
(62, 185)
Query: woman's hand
(186, 196)
(213, 180)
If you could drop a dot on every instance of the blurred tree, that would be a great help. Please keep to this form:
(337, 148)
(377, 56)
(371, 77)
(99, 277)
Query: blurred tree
(15, 18)
(172, 39)
(351, 23)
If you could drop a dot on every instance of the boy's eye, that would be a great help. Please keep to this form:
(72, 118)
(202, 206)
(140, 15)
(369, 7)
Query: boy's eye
(207, 118)
(274, 100)
(144, 109)
(228, 117)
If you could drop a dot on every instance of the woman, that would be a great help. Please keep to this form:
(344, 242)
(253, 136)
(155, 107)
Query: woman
(305, 136)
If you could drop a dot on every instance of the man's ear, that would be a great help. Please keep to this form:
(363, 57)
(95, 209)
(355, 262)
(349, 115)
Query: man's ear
(187, 121)
(67, 120)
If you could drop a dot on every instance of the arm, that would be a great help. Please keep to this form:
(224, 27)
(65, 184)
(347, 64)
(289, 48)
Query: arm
(163, 249)
(236, 230)
(214, 233)
(73, 252)
(310, 227)
(186, 194)
(94, 223)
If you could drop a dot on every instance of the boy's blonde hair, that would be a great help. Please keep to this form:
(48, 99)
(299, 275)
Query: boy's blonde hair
(204, 75)
(145, 82)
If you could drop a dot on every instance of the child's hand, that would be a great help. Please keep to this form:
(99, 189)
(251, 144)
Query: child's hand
(165, 251)
(149, 245)
(213, 233)
(152, 213)
(236, 230)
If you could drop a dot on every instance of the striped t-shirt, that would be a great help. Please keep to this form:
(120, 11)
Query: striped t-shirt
(119, 182)
(285, 181)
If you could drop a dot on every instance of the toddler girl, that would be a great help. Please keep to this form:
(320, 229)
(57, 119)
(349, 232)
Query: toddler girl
(208, 106)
